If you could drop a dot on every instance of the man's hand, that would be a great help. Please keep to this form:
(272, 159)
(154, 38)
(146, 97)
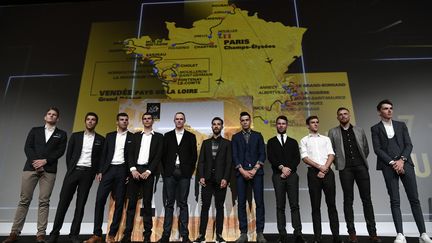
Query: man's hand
(321, 175)
(323, 168)
(286, 172)
(135, 174)
(398, 165)
(38, 163)
(98, 177)
(223, 184)
(202, 182)
(245, 173)
(145, 175)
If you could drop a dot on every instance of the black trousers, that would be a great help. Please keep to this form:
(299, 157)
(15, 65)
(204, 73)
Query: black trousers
(326, 184)
(80, 180)
(283, 188)
(113, 181)
(140, 189)
(176, 189)
(409, 182)
(359, 175)
(212, 188)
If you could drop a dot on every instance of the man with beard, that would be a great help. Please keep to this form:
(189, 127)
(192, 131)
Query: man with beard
(284, 156)
(113, 171)
(214, 168)
(351, 148)
(82, 160)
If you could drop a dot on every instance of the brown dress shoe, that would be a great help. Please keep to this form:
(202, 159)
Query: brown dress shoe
(352, 238)
(375, 239)
(94, 239)
(11, 238)
(110, 239)
(40, 238)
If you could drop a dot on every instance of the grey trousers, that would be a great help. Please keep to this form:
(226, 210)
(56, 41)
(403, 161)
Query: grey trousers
(29, 181)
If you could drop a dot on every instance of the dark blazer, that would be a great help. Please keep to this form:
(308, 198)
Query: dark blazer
(335, 135)
(155, 156)
(256, 146)
(187, 151)
(223, 160)
(36, 148)
(109, 148)
(288, 155)
(380, 143)
(74, 150)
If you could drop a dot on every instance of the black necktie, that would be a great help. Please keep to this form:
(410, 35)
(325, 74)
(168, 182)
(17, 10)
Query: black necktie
(282, 139)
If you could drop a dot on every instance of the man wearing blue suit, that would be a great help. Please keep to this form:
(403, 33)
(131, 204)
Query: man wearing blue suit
(392, 145)
(248, 156)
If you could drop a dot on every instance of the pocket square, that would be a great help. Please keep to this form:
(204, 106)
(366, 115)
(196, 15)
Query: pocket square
(56, 136)
(129, 141)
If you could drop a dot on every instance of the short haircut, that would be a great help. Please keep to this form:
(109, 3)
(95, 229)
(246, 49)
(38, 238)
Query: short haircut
(383, 102)
(244, 113)
(310, 118)
(122, 114)
(147, 114)
(282, 118)
(53, 108)
(342, 108)
(181, 113)
(92, 114)
(217, 119)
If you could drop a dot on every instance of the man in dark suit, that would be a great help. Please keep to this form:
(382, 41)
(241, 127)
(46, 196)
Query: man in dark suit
(249, 155)
(178, 164)
(144, 166)
(112, 173)
(284, 156)
(43, 147)
(351, 150)
(392, 145)
(214, 168)
(82, 160)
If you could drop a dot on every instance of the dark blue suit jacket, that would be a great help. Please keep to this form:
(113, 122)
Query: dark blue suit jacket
(256, 146)
(380, 143)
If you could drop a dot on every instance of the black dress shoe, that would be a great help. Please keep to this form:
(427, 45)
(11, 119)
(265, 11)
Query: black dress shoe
(163, 239)
(300, 239)
(52, 239)
(126, 239)
(147, 239)
(186, 240)
(75, 239)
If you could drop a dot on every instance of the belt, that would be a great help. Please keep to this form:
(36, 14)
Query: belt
(177, 166)
(124, 164)
(78, 167)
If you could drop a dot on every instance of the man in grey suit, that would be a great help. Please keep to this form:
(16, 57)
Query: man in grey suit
(351, 148)
(392, 145)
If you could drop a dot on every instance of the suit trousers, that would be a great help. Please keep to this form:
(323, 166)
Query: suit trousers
(177, 190)
(29, 181)
(80, 181)
(258, 191)
(283, 188)
(409, 181)
(212, 188)
(113, 181)
(326, 184)
(144, 187)
(359, 175)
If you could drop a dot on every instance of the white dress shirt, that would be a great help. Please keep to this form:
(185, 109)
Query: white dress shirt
(179, 136)
(144, 153)
(316, 147)
(48, 132)
(118, 157)
(284, 138)
(389, 129)
(86, 151)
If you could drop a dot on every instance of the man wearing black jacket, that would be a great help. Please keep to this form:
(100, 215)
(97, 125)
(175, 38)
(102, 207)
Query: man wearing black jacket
(82, 160)
(214, 168)
(178, 163)
(284, 156)
(43, 147)
(113, 171)
(147, 157)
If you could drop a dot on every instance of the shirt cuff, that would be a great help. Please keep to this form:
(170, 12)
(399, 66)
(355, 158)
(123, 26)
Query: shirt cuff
(392, 162)
(280, 167)
(132, 169)
(238, 166)
(148, 171)
(261, 163)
